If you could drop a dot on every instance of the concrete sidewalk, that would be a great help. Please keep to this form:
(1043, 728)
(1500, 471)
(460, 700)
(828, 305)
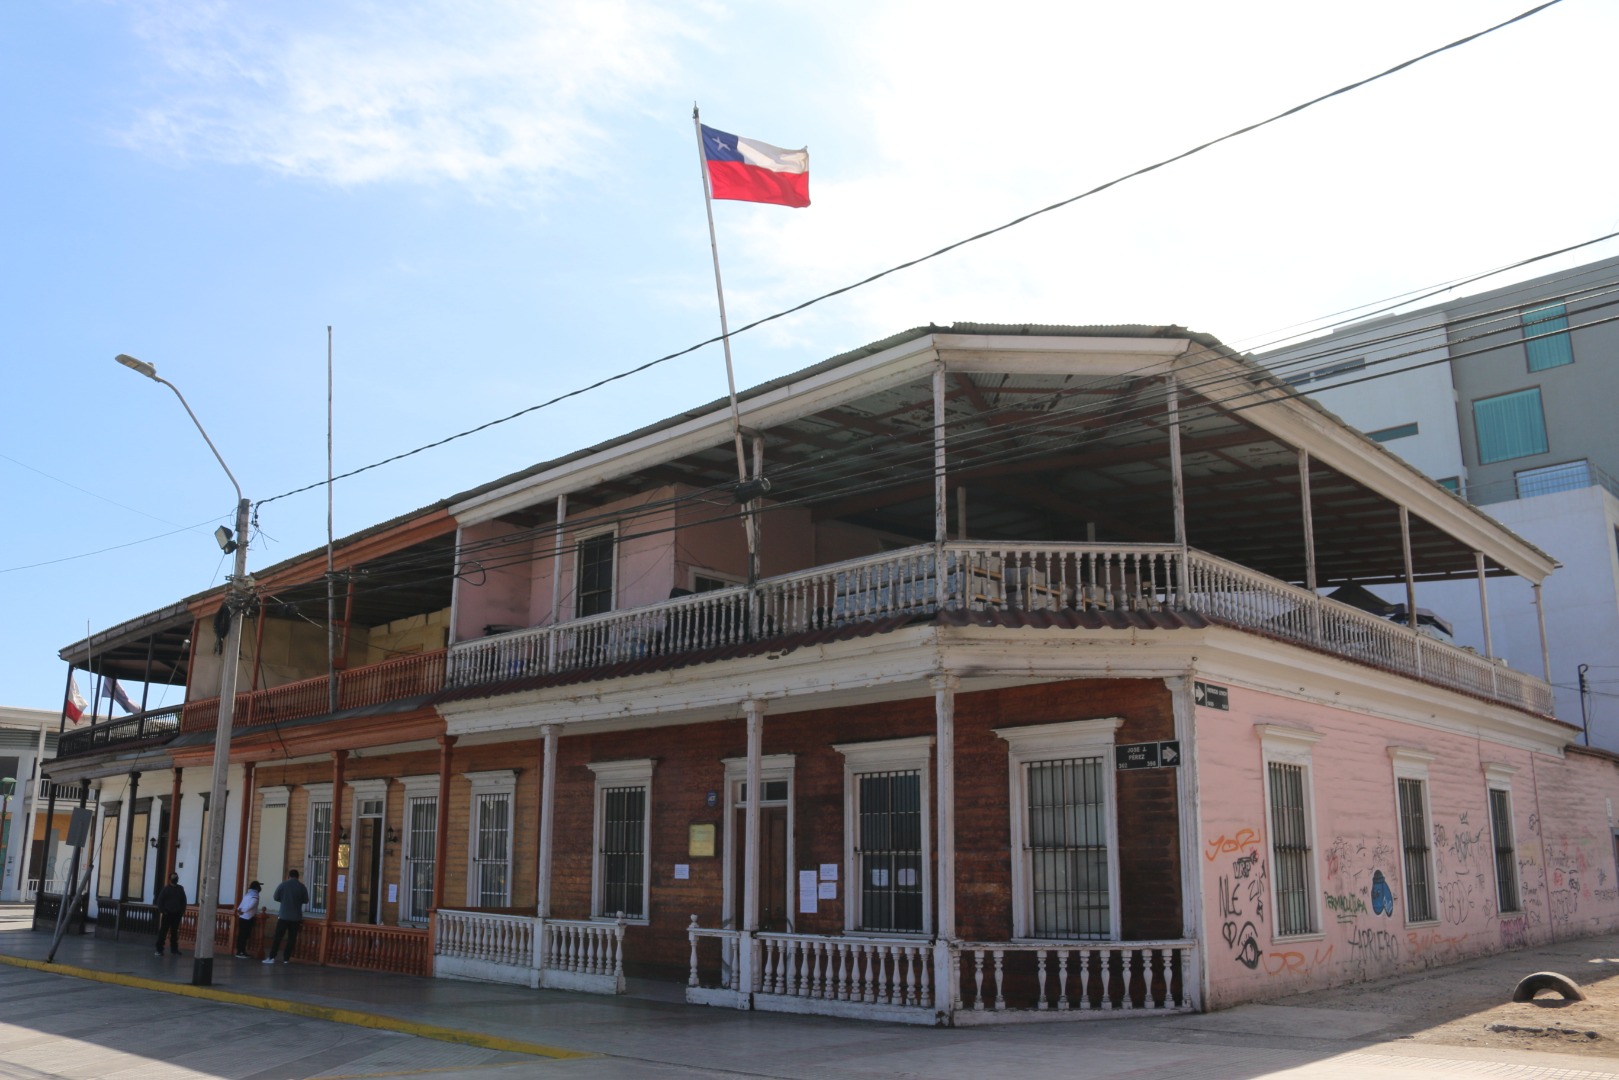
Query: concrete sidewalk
(1363, 1031)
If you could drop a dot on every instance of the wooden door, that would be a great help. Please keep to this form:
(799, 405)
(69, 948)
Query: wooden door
(773, 913)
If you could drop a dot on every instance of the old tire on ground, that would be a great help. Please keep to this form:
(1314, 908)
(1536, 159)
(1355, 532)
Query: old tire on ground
(1547, 980)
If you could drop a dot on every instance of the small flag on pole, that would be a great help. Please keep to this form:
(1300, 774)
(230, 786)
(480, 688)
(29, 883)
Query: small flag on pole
(74, 706)
(747, 170)
(116, 692)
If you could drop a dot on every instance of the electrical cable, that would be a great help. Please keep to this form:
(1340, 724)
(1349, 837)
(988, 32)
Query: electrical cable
(1098, 189)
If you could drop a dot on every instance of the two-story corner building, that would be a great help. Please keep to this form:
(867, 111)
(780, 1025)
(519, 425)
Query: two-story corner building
(999, 682)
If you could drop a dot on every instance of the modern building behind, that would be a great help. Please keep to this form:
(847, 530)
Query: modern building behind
(1506, 397)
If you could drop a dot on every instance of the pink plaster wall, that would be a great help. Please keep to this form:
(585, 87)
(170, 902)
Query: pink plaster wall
(496, 591)
(1564, 850)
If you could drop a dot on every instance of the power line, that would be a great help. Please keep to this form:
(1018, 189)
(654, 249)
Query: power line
(1098, 189)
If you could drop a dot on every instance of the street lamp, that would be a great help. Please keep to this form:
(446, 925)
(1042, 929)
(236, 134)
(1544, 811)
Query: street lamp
(213, 850)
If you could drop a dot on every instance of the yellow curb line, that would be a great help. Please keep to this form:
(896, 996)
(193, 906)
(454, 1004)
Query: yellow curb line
(313, 1012)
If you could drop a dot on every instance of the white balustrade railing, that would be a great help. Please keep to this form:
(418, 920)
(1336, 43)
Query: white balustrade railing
(730, 946)
(874, 971)
(1153, 976)
(992, 577)
(474, 935)
(582, 947)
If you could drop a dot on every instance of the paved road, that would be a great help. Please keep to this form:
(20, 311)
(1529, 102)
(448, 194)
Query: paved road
(56, 1025)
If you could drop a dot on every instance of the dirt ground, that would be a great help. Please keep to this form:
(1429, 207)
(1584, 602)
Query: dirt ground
(1471, 1004)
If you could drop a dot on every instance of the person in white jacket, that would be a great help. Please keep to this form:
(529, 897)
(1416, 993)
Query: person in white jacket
(247, 916)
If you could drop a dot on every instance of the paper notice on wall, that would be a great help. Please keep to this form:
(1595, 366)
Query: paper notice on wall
(342, 882)
(808, 901)
(393, 893)
(682, 871)
(879, 878)
(906, 875)
(829, 871)
(828, 890)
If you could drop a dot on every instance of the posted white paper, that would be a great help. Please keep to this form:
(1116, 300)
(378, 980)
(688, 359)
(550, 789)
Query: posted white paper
(828, 890)
(808, 903)
(682, 871)
(829, 871)
(393, 894)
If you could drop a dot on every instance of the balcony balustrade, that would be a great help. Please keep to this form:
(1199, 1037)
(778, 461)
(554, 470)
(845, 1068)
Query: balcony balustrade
(139, 727)
(1055, 578)
(374, 684)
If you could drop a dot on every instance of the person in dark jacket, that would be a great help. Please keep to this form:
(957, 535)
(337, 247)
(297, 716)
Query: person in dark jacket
(171, 904)
(292, 896)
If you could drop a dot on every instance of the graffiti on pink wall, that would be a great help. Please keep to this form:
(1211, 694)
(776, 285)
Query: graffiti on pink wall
(1243, 892)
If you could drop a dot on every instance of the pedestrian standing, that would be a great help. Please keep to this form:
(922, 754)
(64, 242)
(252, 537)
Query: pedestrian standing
(171, 905)
(247, 913)
(292, 896)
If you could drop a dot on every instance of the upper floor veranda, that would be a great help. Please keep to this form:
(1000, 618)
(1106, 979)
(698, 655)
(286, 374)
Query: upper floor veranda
(1076, 478)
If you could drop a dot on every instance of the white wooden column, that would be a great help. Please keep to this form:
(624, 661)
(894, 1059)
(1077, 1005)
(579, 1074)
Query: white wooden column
(944, 711)
(750, 846)
(556, 562)
(941, 508)
(1545, 651)
(1309, 521)
(1177, 484)
(548, 800)
(1484, 605)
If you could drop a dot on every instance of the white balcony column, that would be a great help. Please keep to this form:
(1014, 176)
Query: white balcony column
(944, 712)
(1410, 573)
(753, 511)
(941, 504)
(1177, 481)
(1540, 617)
(1484, 605)
(750, 845)
(1309, 521)
(548, 800)
(556, 562)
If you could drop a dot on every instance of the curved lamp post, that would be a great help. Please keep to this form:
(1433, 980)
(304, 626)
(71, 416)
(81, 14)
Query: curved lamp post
(213, 850)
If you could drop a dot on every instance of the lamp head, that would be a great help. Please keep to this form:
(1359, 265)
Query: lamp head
(137, 365)
(224, 536)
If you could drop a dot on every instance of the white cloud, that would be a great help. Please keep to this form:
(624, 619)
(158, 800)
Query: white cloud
(496, 96)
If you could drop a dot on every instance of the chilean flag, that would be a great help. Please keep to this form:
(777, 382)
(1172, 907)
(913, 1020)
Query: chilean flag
(748, 170)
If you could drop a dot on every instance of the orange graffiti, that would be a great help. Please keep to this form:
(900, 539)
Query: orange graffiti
(1228, 845)
(1293, 962)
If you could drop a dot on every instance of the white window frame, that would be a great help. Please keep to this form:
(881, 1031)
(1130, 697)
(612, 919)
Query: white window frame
(636, 772)
(1498, 777)
(1411, 763)
(887, 755)
(490, 782)
(695, 572)
(415, 787)
(317, 795)
(1058, 742)
(583, 538)
(772, 767)
(1284, 745)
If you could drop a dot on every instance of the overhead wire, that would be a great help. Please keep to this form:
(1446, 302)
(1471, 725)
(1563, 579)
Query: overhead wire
(908, 264)
(1491, 321)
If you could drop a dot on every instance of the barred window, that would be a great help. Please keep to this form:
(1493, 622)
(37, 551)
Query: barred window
(1068, 848)
(492, 853)
(320, 847)
(1291, 856)
(1419, 892)
(421, 846)
(889, 850)
(623, 852)
(1506, 855)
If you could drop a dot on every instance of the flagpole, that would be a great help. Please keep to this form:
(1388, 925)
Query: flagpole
(748, 523)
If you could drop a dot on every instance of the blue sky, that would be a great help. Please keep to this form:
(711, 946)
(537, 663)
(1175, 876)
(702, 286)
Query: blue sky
(494, 202)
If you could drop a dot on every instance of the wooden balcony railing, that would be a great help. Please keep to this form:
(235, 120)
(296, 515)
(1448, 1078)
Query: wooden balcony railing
(992, 577)
(374, 684)
(152, 724)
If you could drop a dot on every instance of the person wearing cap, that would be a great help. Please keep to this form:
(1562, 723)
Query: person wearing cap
(247, 914)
